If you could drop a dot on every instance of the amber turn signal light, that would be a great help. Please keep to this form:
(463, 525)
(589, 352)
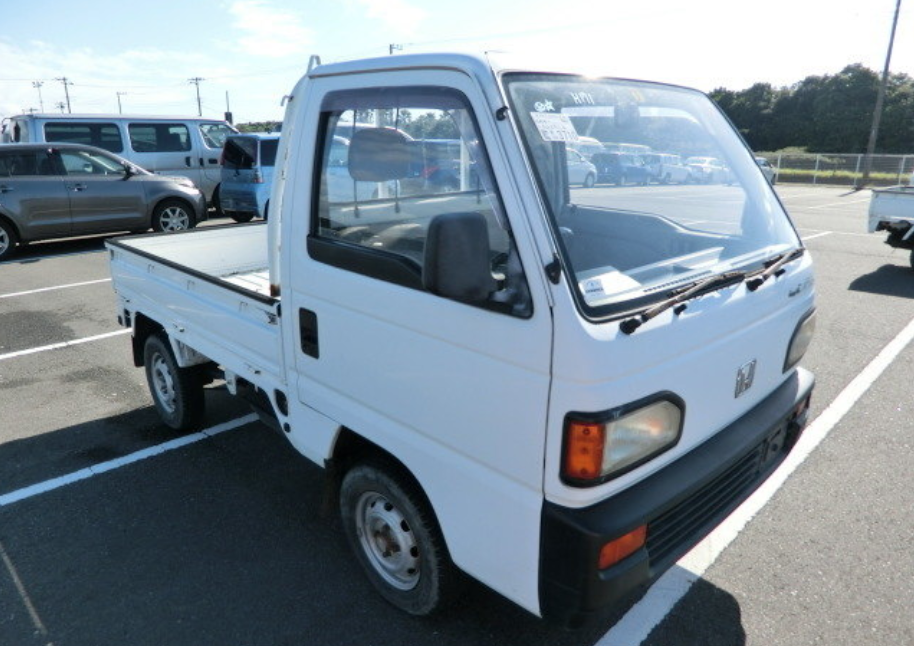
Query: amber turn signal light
(584, 442)
(615, 551)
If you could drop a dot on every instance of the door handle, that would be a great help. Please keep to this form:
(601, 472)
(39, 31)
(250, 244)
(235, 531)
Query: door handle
(307, 327)
(201, 162)
(5, 189)
(187, 161)
(78, 187)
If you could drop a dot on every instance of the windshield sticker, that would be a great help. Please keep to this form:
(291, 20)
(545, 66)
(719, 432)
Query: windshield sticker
(554, 127)
(604, 285)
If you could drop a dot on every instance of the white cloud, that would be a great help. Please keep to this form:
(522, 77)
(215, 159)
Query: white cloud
(269, 31)
(399, 16)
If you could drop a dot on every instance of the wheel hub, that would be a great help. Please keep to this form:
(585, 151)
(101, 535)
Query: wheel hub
(163, 383)
(388, 541)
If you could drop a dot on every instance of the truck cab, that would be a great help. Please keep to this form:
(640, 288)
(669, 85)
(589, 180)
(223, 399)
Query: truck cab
(557, 390)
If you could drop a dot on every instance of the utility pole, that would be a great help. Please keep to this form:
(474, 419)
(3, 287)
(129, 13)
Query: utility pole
(61, 105)
(66, 91)
(119, 95)
(196, 81)
(37, 85)
(395, 48)
(880, 99)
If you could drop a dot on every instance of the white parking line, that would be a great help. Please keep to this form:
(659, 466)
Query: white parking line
(641, 619)
(50, 289)
(117, 463)
(817, 235)
(64, 344)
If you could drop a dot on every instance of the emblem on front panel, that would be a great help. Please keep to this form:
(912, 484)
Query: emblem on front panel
(744, 378)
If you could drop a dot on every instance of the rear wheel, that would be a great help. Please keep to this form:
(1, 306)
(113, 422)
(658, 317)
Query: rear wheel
(172, 215)
(242, 216)
(177, 392)
(8, 239)
(396, 538)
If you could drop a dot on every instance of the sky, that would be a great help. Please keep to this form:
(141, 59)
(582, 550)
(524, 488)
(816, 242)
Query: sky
(250, 53)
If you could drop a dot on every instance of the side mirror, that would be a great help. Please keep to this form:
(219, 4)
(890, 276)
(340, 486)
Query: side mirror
(457, 258)
(128, 171)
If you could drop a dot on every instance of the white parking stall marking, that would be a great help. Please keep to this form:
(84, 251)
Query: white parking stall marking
(817, 235)
(132, 458)
(63, 344)
(645, 615)
(50, 289)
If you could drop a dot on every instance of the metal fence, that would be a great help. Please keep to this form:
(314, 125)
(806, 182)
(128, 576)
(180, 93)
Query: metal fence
(842, 170)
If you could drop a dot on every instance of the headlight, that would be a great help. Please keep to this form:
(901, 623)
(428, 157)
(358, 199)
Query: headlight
(602, 446)
(802, 336)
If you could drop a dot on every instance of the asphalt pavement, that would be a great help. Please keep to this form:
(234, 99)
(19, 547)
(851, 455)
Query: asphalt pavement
(115, 530)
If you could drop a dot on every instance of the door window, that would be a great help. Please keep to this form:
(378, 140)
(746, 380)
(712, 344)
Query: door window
(159, 137)
(214, 134)
(84, 162)
(100, 135)
(392, 160)
(18, 164)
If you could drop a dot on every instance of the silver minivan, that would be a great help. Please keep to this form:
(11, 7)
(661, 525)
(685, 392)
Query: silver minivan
(63, 190)
(185, 146)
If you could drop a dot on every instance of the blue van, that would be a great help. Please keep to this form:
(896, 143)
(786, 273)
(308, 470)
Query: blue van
(247, 175)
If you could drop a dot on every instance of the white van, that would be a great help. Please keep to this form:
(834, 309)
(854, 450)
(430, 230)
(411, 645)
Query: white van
(185, 146)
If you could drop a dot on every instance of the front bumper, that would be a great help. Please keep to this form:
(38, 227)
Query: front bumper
(680, 504)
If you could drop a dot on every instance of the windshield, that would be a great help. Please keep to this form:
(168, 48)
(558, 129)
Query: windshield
(642, 231)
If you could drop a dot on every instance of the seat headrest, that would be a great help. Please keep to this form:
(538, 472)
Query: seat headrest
(379, 155)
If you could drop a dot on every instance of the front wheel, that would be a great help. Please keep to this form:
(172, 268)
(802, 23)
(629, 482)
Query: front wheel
(396, 538)
(172, 215)
(589, 181)
(176, 392)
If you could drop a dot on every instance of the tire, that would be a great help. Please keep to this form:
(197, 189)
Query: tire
(176, 392)
(8, 240)
(215, 203)
(912, 259)
(589, 181)
(173, 215)
(396, 538)
(241, 216)
(266, 211)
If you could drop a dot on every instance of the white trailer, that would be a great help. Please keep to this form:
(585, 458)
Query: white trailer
(892, 210)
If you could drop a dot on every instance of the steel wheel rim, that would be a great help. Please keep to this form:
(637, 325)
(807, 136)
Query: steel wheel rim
(4, 241)
(388, 541)
(174, 218)
(163, 383)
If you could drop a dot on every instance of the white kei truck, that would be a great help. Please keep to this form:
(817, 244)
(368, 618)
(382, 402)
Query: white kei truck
(892, 210)
(557, 390)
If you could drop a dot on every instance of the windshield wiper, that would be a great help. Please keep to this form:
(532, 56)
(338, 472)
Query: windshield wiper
(679, 298)
(774, 267)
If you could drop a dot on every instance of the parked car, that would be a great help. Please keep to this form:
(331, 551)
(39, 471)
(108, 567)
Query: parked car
(620, 168)
(767, 169)
(185, 146)
(587, 146)
(69, 189)
(708, 170)
(247, 175)
(580, 171)
(666, 168)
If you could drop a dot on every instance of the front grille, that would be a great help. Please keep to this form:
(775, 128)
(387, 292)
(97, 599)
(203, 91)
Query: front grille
(677, 528)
